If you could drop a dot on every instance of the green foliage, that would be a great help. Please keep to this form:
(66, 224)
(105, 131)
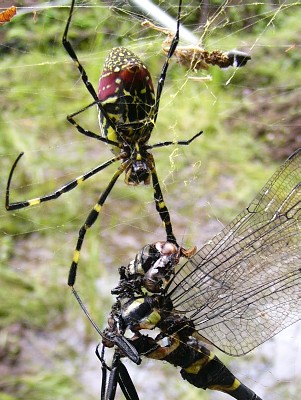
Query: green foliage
(42, 385)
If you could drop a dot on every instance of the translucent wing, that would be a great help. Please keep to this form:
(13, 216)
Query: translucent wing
(244, 285)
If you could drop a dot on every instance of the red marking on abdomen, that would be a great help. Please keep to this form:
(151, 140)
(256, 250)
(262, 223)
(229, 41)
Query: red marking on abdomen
(132, 79)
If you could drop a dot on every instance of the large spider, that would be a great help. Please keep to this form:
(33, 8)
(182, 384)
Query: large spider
(128, 110)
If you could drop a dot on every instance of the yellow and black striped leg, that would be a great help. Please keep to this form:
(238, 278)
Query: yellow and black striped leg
(171, 51)
(57, 193)
(68, 47)
(160, 204)
(90, 221)
(71, 52)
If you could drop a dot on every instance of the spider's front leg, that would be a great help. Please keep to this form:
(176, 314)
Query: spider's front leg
(70, 50)
(68, 47)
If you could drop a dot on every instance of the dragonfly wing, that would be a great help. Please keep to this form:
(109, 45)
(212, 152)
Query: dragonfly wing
(244, 285)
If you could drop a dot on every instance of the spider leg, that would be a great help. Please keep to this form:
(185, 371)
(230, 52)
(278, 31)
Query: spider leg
(72, 54)
(57, 193)
(177, 142)
(83, 307)
(119, 340)
(87, 132)
(171, 51)
(160, 204)
(68, 47)
(90, 221)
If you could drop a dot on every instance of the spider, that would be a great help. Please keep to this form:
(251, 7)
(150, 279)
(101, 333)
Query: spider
(128, 110)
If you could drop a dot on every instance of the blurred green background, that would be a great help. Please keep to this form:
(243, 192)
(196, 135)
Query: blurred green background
(251, 122)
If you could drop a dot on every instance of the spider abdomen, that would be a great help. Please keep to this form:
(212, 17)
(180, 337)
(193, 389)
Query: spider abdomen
(127, 95)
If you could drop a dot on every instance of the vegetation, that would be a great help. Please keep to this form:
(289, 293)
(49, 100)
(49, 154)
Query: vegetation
(46, 345)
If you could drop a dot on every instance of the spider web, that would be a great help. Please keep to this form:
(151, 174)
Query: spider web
(251, 121)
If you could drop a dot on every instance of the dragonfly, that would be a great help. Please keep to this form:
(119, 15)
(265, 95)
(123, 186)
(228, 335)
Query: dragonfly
(238, 291)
